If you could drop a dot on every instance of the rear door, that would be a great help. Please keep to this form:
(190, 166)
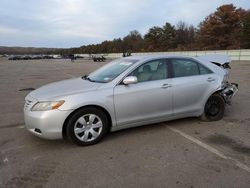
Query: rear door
(191, 83)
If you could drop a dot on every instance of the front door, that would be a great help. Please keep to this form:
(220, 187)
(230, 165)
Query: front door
(149, 99)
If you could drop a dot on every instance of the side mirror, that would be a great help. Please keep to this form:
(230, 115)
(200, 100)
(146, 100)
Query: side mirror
(130, 80)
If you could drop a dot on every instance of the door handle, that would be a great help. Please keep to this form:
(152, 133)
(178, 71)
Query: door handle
(210, 79)
(164, 86)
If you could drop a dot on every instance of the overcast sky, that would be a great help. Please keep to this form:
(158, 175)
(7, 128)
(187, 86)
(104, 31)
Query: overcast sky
(72, 23)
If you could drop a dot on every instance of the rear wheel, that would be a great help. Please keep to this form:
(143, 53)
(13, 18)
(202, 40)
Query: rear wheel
(87, 126)
(214, 108)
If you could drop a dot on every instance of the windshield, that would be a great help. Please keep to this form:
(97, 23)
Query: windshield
(110, 71)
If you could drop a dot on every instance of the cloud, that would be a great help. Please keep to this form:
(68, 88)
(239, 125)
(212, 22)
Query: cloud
(8, 30)
(67, 23)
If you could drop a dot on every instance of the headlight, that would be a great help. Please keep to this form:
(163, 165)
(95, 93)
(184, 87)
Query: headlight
(49, 105)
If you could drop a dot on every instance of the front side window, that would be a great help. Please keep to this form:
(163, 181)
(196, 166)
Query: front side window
(184, 67)
(110, 71)
(152, 70)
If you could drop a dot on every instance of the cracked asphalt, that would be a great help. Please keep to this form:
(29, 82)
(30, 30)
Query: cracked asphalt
(181, 153)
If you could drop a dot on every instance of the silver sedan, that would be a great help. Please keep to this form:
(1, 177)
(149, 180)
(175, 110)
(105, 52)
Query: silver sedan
(130, 92)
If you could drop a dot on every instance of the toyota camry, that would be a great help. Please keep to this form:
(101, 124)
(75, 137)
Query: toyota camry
(129, 92)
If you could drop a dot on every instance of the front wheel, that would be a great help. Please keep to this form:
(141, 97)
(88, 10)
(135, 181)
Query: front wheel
(214, 108)
(87, 126)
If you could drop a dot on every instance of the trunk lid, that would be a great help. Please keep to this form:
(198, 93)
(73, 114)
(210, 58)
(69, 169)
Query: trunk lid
(218, 59)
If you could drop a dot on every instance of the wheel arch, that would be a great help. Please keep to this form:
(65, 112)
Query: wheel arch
(64, 132)
(207, 118)
(216, 91)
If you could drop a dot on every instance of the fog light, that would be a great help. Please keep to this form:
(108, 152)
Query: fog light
(38, 131)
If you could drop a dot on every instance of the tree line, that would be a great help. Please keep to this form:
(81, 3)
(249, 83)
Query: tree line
(27, 50)
(227, 28)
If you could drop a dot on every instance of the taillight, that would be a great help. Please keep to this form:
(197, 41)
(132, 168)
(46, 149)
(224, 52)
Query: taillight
(224, 81)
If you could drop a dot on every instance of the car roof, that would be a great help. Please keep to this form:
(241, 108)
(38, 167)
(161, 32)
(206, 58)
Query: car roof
(156, 56)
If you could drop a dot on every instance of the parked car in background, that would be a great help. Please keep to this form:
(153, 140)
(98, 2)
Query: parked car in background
(130, 92)
(26, 57)
(37, 57)
(29, 57)
(98, 58)
(14, 57)
(10, 57)
(47, 57)
(79, 57)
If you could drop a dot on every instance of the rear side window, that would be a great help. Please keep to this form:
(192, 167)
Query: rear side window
(185, 67)
(204, 70)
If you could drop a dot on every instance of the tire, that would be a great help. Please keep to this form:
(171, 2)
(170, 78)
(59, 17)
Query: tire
(214, 108)
(87, 126)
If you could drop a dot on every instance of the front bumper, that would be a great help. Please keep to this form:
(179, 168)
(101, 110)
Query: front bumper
(229, 91)
(45, 124)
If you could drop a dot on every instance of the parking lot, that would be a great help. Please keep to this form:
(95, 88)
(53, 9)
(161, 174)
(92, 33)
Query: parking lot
(181, 153)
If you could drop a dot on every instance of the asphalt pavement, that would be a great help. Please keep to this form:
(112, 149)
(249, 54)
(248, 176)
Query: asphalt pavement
(181, 153)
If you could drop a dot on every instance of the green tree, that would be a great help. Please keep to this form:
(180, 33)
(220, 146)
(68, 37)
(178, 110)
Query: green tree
(153, 39)
(133, 42)
(168, 37)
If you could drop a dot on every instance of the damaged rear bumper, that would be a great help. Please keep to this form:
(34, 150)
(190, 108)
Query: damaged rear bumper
(229, 91)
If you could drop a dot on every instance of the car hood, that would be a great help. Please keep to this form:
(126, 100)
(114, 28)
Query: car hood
(63, 88)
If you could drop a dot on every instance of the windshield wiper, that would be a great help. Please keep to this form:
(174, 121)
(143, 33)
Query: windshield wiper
(86, 77)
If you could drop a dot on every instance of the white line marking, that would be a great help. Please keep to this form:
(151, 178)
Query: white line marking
(211, 149)
(6, 160)
(13, 148)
